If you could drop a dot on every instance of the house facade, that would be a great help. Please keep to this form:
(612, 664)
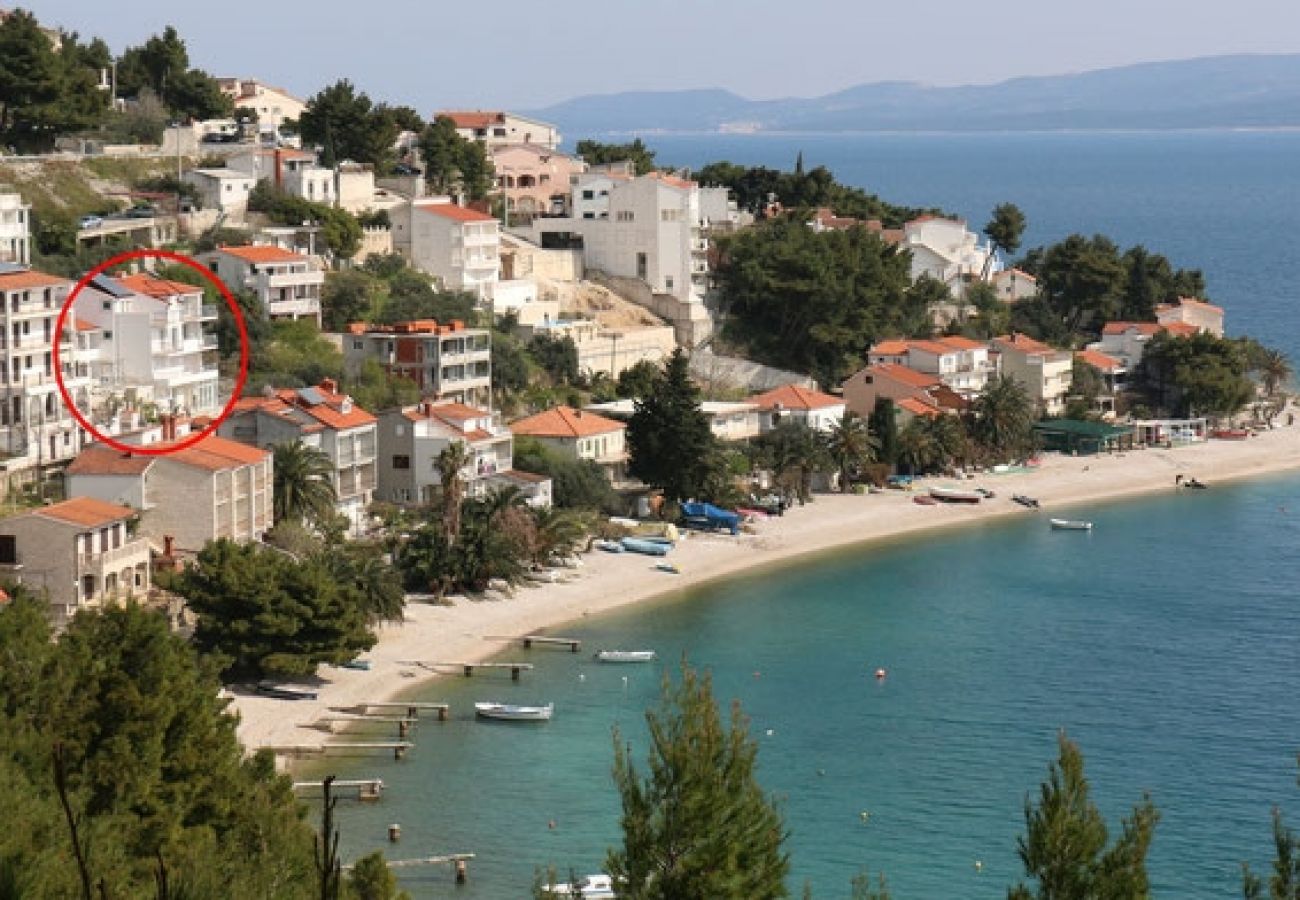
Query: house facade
(963, 364)
(286, 283)
(411, 439)
(819, 411)
(273, 105)
(945, 250)
(897, 382)
(1013, 285)
(214, 489)
(15, 228)
(83, 553)
(461, 247)
(293, 171)
(608, 350)
(446, 361)
(534, 180)
(1204, 317)
(1044, 372)
(579, 435)
(322, 418)
(729, 421)
(1126, 341)
(225, 190)
(496, 128)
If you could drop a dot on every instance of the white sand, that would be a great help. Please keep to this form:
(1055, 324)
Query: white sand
(474, 630)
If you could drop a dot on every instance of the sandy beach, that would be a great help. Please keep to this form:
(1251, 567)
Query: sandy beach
(472, 630)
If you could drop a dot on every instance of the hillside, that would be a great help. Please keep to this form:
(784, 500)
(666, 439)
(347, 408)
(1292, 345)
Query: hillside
(1243, 91)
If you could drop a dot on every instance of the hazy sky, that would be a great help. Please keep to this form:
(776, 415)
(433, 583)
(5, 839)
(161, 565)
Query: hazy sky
(460, 53)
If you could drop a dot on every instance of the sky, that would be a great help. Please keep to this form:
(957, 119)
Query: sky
(439, 54)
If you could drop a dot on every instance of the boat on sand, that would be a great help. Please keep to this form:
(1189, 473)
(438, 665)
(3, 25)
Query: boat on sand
(513, 713)
(1026, 501)
(955, 495)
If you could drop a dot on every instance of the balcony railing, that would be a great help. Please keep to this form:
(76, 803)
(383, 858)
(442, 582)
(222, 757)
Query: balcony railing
(131, 550)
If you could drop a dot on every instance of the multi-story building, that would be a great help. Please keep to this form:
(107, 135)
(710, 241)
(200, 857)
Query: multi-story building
(947, 251)
(495, 128)
(82, 553)
(146, 340)
(274, 106)
(446, 361)
(1204, 317)
(963, 364)
(579, 435)
(287, 284)
(605, 349)
(318, 417)
(15, 228)
(1044, 372)
(293, 171)
(36, 428)
(729, 421)
(225, 190)
(459, 246)
(820, 412)
(410, 441)
(907, 388)
(534, 180)
(214, 489)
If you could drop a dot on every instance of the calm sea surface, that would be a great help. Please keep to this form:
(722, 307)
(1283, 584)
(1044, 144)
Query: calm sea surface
(1166, 642)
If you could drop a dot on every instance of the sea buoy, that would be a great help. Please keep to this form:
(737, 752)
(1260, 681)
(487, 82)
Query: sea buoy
(866, 816)
(880, 674)
(771, 732)
(979, 866)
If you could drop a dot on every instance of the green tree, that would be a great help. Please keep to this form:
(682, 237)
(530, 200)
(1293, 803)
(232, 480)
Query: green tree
(1003, 419)
(348, 296)
(1086, 385)
(1004, 231)
(348, 126)
(1064, 847)
(558, 357)
(851, 445)
(575, 483)
(1196, 375)
(697, 824)
(795, 453)
(162, 65)
(371, 879)
(453, 163)
(265, 613)
(29, 80)
(303, 484)
(637, 380)
(917, 449)
(668, 437)
(1274, 370)
(1285, 881)
(411, 296)
(596, 153)
(1082, 280)
(883, 423)
(340, 230)
(451, 464)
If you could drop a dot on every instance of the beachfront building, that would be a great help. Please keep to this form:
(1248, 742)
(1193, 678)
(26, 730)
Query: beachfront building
(82, 553)
(1044, 372)
(576, 434)
(146, 341)
(729, 421)
(496, 128)
(286, 283)
(947, 251)
(534, 179)
(322, 418)
(461, 247)
(963, 364)
(1205, 317)
(898, 383)
(36, 427)
(1013, 285)
(411, 440)
(15, 228)
(819, 411)
(214, 489)
(1126, 341)
(446, 361)
(1113, 371)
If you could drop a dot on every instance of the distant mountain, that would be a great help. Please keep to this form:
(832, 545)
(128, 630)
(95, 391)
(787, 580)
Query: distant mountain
(1244, 91)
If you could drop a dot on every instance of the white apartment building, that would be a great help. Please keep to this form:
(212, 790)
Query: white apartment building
(288, 284)
(410, 441)
(225, 190)
(36, 428)
(445, 360)
(293, 171)
(143, 340)
(1045, 373)
(273, 105)
(15, 229)
(947, 251)
(461, 247)
(964, 365)
(494, 128)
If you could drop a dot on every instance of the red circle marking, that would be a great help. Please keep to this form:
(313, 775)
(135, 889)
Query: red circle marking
(161, 449)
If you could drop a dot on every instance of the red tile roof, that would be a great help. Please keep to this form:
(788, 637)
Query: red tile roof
(998, 276)
(1181, 329)
(935, 347)
(1147, 328)
(904, 374)
(521, 475)
(918, 407)
(890, 348)
(85, 511)
(454, 212)
(29, 278)
(1023, 343)
(263, 253)
(958, 342)
(473, 118)
(791, 396)
(101, 459)
(330, 412)
(1098, 360)
(217, 454)
(1192, 301)
(672, 180)
(161, 288)
(565, 422)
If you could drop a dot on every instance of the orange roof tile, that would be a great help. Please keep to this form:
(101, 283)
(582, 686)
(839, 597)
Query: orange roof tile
(905, 375)
(672, 180)
(101, 459)
(82, 325)
(958, 342)
(791, 396)
(160, 288)
(1147, 328)
(1023, 343)
(521, 475)
(890, 348)
(1098, 360)
(1193, 301)
(217, 453)
(263, 253)
(1181, 329)
(936, 347)
(330, 412)
(29, 278)
(473, 118)
(454, 212)
(85, 511)
(998, 276)
(918, 407)
(565, 422)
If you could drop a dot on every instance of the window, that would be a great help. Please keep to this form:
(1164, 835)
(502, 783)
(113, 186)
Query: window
(108, 305)
(626, 215)
(588, 195)
(8, 550)
(668, 282)
(589, 215)
(401, 462)
(358, 345)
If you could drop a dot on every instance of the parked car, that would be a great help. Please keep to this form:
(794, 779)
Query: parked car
(90, 222)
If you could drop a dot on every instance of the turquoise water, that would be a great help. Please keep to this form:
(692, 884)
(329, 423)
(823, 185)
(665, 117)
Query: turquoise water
(1165, 642)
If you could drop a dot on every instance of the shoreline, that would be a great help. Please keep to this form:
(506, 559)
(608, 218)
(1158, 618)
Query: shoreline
(470, 631)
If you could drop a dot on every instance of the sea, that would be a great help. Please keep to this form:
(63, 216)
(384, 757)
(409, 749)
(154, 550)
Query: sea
(1165, 642)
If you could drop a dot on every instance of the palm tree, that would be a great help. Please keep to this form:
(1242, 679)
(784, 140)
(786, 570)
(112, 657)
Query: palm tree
(303, 482)
(453, 458)
(797, 452)
(851, 445)
(1274, 370)
(559, 532)
(1004, 418)
(916, 446)
(949, 437)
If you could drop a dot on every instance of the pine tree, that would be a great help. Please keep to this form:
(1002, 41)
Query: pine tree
(698, 824)
(668, 436)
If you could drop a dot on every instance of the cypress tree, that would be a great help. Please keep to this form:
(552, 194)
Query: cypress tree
(668, 436)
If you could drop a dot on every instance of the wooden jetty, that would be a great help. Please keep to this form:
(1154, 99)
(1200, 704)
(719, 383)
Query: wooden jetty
(326, 722)
(412, 707)
(459, 863)
(528, 640)
(516, 668)
(399, 748)
(366, 788)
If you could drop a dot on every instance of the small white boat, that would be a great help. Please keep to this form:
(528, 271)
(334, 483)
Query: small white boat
(626, 656)
(955, 495)
(608, 546)
(668, 567)
(1070, 525)
(512, 713)
(592, 887)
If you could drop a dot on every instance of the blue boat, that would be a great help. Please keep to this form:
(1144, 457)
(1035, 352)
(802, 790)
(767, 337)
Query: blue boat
(642, 545)
(706, 515)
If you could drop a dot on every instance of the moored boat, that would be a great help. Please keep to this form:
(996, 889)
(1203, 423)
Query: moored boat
(1230, 434)
(646, 546)
(511, 712)
(626, 656)
(592, 887)
(284, 692)
(1070, 525)
(1024, 500)
(955, 495)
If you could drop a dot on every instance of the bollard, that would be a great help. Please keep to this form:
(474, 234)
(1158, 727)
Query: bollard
(442, 713)
(514, 673)
(462, 871)
(394, 833)
(403, 728)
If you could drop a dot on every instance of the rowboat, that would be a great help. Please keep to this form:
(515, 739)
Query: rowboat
(1070, 525)
(282, 692)
(1230, 434)
(592, 887)
(925, 500)
(645, 545)
(512, 713)
(608, 546)
(626, 656)
(1025, 501)
(955, 495)
(668, 567)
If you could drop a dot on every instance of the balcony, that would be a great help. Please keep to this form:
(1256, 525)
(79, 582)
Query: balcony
(308, 307)
(288, 279)
(208, 312)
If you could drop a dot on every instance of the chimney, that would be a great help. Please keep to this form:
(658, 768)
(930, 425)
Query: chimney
(329, 385)
(279, 174)
(169, 545)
